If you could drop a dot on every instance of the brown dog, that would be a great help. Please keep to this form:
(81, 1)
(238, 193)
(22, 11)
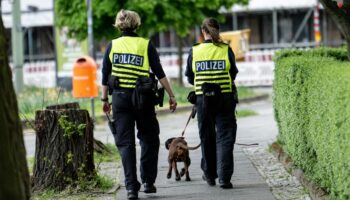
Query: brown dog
(179, 152)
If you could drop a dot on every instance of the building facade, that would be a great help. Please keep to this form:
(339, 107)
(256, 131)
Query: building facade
(274, 24)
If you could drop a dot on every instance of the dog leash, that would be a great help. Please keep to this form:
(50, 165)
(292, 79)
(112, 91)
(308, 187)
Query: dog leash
(251, 144)
(192, 115)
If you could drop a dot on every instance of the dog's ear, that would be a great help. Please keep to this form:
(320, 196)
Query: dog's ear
(167, 142)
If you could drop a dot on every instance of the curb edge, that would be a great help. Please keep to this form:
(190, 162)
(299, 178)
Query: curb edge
(315, 191)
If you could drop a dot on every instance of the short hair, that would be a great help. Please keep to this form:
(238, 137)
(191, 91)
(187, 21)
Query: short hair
(127, 20)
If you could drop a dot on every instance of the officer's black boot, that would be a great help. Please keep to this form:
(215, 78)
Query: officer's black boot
(133, 194)
(150, 188)
(210, 181)
(225, 184)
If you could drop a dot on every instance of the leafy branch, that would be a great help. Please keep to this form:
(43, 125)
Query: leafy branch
(71, 128)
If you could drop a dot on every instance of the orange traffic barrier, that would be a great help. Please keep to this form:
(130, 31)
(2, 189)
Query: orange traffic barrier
(84, 78)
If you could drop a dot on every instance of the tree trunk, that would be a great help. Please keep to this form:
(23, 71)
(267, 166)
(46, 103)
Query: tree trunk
(99, 147)
(64, 147)
(180, 54)
(348, 43)
(14, 175)
(341, 16)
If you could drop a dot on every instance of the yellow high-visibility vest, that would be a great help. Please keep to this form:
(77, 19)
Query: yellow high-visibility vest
(129, 58)
(211, 64)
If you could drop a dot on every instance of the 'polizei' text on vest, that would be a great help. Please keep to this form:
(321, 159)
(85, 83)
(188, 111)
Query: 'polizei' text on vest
(124, 58)
(210, 65)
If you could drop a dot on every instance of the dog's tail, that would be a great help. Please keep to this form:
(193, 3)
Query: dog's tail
(190, 148)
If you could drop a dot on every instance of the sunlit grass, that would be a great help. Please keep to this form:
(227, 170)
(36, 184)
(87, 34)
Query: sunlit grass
(111, 156)
(245, 113)
(32, 99)
(181, 93)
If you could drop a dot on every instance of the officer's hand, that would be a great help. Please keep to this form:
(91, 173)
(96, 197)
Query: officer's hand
(106, 107)
(172, 104)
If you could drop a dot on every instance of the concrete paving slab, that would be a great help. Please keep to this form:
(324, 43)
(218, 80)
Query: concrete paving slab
(247, 183)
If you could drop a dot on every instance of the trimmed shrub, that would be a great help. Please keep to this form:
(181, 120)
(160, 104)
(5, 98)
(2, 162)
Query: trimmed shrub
(339, 54)
(312, 110)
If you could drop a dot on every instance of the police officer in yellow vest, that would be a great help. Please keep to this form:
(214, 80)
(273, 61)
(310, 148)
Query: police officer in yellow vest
(212, 70)
(128, 58)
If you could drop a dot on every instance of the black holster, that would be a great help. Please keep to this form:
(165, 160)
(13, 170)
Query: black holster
(191, 97)
(146, 93)
(113, 83)
(159, 97)
(143, 95)
(158, 92)
(212, 97)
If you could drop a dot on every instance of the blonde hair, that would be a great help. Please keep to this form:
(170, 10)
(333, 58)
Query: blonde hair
(127, 20)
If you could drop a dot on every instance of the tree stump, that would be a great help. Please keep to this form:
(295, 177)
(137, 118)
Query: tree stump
(64, 147)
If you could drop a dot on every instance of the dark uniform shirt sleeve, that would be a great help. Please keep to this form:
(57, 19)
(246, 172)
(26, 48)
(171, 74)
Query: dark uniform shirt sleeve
(154, 62)
(189, 73)
(232, 59)
(106, 65)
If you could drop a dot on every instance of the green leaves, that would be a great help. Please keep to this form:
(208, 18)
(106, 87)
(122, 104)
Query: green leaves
(73, 15)
(156, 15)
(71, 128)
(311, 95)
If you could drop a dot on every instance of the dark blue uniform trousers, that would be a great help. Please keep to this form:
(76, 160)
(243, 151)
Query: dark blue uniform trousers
(217, 131)
(148, 133)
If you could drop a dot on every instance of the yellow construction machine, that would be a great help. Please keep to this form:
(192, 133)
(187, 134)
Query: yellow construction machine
(238, 41)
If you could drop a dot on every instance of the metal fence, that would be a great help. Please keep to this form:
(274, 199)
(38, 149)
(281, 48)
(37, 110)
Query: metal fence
(257, 69)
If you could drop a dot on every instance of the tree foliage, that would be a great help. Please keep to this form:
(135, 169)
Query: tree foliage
(341, 14)
(156, 15)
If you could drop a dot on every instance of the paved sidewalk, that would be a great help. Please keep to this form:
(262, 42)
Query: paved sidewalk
(247, 183)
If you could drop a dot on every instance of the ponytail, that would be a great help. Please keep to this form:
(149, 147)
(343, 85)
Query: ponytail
(211, 26)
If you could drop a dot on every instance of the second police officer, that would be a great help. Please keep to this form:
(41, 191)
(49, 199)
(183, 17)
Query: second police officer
(212, 70)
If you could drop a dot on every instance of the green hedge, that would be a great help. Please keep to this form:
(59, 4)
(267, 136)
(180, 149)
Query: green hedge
(312, 110)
